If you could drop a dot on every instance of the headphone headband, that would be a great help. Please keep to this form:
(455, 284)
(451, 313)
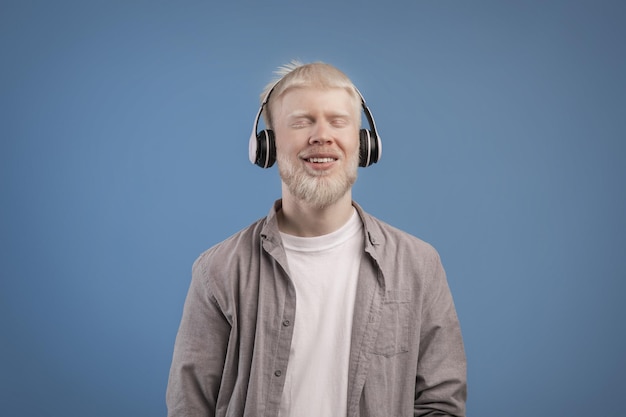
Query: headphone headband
(253, 148)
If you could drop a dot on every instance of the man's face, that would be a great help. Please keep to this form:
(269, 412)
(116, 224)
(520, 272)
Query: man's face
(317, 143)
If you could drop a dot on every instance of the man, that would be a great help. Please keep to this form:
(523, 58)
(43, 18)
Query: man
(319, 309)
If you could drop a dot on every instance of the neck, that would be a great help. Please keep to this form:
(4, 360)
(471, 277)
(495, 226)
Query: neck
(301, 219)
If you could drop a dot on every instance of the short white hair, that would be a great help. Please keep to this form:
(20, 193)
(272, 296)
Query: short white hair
(297, 74)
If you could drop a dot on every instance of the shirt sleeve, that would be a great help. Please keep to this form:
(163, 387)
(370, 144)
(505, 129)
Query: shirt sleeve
(199, 352)
(441, 385)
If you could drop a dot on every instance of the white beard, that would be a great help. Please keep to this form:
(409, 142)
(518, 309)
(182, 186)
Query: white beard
(319, 189)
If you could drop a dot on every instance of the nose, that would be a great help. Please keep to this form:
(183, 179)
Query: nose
(321, 135)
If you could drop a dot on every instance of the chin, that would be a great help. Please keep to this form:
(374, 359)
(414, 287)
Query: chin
(319, 191)
(318, 188)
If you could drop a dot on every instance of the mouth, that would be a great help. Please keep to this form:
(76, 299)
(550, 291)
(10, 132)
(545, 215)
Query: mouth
(320, 163)
(319, 160)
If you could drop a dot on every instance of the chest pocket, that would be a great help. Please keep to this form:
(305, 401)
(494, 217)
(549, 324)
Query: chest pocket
(393, 333)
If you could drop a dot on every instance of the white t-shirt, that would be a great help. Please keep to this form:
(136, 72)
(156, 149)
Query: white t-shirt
(324, 271)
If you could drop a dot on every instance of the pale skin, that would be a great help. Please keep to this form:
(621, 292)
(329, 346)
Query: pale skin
(317, 132)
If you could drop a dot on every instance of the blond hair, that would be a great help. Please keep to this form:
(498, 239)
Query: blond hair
(295, 74)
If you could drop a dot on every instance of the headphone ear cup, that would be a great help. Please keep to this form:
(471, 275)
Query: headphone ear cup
(369, 152)
(265, 149)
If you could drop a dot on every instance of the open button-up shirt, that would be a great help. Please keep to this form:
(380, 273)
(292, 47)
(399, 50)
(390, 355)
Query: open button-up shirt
(232, 349)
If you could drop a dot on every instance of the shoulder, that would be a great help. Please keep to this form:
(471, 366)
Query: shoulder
(394, 242)
(235, 249)
(405, 261)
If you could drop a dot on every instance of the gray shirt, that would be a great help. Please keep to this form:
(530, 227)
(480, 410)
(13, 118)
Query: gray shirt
(232, 349)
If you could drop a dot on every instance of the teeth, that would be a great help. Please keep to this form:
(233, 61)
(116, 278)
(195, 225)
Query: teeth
(320, 160)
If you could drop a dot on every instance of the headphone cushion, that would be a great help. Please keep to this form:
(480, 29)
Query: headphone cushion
(368, 148)
(266, 149)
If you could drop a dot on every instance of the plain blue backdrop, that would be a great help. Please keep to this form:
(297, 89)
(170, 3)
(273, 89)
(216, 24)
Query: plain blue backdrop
(123, 155)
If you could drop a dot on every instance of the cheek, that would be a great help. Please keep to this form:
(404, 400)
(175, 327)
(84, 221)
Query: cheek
(289, 142)
(354, 144)
(286, 149)
(279, 140)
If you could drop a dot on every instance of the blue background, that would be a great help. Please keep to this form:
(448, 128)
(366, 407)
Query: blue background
(123, 155)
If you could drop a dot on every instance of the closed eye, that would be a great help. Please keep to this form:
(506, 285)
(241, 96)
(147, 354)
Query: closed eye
(339, 122)
(300, 123)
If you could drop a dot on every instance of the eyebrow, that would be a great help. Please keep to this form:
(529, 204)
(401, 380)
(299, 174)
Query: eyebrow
(297, 114)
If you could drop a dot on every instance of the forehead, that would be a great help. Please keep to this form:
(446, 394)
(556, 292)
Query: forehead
(310, 99)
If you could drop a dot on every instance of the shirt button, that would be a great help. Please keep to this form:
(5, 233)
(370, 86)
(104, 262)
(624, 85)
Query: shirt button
(278, 373)
(286, 323)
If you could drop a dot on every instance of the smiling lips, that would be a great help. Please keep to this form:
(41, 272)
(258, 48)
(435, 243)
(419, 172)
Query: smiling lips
(319, 156)
(320, 160)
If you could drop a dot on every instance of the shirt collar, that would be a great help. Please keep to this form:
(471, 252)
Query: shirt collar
(273, 245)
(373, 236)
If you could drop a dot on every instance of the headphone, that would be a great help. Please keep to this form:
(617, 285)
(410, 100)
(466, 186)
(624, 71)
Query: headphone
(262, 145)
